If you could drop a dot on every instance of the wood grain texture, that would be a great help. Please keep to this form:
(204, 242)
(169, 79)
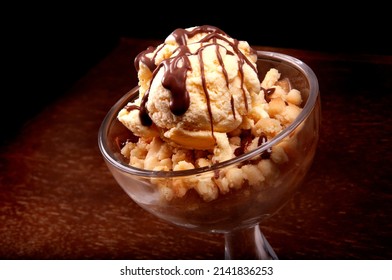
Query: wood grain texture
(59, 201)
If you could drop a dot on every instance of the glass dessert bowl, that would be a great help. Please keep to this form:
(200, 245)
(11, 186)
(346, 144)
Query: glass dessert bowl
(275, 171)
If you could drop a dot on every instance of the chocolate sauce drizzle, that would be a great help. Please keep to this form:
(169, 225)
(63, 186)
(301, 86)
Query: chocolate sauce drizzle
(246, 139)
(267, 93)
(176, 68)
(174, 80)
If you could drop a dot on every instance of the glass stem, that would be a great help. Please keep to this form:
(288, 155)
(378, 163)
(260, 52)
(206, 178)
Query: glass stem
(248, 243)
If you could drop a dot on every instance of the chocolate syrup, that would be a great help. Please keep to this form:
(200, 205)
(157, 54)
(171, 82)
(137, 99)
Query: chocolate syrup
(176, 68)
(266, 154)
(267, 93)
(142, 57)
(246, 139)
(174, 79)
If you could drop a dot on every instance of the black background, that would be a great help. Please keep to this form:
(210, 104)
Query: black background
(48, 48)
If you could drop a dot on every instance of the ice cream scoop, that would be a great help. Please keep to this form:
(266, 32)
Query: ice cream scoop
(197, 84)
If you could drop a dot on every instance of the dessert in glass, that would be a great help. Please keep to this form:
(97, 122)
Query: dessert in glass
(216, 136)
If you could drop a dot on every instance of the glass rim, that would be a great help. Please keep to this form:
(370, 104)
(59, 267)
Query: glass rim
(305, 112)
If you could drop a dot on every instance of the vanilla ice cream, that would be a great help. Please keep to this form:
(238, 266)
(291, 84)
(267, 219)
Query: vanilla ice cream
(201, 102)
(197, 83)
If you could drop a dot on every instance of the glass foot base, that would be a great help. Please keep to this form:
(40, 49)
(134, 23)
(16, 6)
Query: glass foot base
(248, 243)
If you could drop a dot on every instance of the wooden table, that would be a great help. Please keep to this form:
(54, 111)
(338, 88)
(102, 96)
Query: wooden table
(59, 201)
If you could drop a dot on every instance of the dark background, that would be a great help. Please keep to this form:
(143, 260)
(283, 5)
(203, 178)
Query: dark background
(48, 48)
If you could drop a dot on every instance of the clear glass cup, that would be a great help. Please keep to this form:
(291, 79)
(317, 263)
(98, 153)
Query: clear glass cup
(238, 213)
